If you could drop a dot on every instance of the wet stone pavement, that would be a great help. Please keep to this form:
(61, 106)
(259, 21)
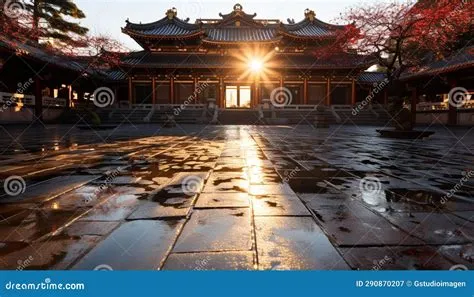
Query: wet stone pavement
(235, 197)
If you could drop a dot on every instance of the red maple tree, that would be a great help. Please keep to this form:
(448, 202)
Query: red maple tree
(404, 35)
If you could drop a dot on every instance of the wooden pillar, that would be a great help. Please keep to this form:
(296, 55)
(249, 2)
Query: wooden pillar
(69, 96)
(385, 98)
(221, 93)
(305, 91)
(171, 90)
(130, 91)
(38, 98)
(414, 101)
(153, 90)
(353, 98)
(257, 93)
(195, 90)
(328, 92)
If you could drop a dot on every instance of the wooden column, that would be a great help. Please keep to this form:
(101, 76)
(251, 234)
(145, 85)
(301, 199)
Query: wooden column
(69, 96)
(38, 98)
(171, 90)
(354, 97)
(257, 93)
(328, 92)
(195, 91)
(221, 101)
(153, 90)
(305, 91)
(414, 101)
(130, 91)
(385, 98)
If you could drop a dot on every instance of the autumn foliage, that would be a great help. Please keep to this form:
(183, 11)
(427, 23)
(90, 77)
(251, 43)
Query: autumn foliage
(401, 35)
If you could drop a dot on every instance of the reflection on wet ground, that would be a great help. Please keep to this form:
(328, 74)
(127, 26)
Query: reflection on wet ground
(235, 197)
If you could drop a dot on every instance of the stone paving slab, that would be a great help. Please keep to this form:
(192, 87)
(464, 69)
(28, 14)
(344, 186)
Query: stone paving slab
(294, 243)
(279, 205)
(240, 172)
(435, 228)
(352, 224)
(459, 254)
(49, 189)
(222, 200)
(56, 253)
(210, 230)
(396, 258)
(211, 261)
(137, 245)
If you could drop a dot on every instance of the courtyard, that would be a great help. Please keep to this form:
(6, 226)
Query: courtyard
(198, 197)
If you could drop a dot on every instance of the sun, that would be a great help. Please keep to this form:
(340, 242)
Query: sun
(256, 65)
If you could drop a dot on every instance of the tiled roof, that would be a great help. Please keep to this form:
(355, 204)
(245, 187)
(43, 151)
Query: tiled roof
(165, 60)
(240, 34)
(463, 59)
(308, 28)
(371, 77)
(27, 50)
(76, 64)
(174, 27)
(116, 75)
(236, 26)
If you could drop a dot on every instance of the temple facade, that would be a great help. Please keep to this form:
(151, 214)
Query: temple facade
(240, 60)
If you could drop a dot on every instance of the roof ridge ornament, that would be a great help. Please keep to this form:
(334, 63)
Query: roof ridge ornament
(309, 14)
(172, 13)
(238, 7)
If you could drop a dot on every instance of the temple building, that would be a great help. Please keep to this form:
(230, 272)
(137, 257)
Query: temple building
(241, 60)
